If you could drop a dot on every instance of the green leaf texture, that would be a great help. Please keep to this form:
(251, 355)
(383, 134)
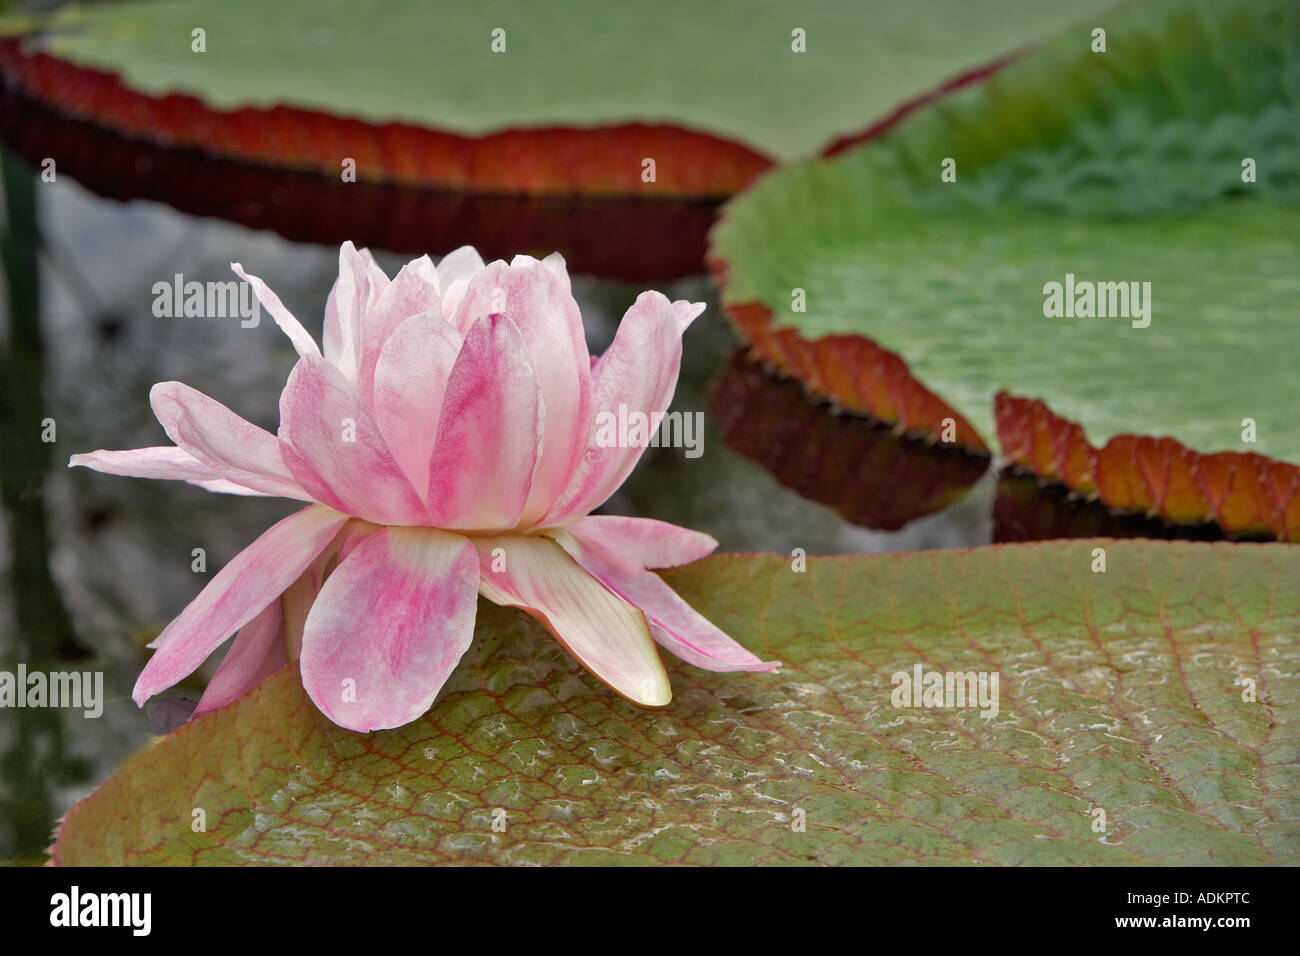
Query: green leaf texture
(724, 67)
(1122, 166)
(1120, 691)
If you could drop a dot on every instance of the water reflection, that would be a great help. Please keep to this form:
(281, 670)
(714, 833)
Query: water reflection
(869, 473)
(622, 236)
(1027, 509)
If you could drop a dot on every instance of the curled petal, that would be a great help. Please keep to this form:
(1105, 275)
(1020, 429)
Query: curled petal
(331, 444)
(639, 371)
(257, 652)
(687, 312)
(609, 636)
(389, 627)
(240, 591)
(302, 341)
(236, 449)
(483, 460)
(675, 625)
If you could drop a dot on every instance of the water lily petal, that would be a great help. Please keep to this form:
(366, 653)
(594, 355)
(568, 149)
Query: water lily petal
(160, 461)
(639, 370)
(674, 624)
(331, 444)
(555, 262)
(257, 653)
(221, 486)
(236, 449)
(166, 462)
(297, 599)
(410, 381)
(454, 272)
(359, 284)
(242, 589)
(482, 464)
(302, 341)
(389, 627)
(539, 303)
(644, 542)
(610, 637)
(687, 312)
(412, 292)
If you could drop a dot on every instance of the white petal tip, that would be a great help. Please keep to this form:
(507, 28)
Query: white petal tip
(653, 692)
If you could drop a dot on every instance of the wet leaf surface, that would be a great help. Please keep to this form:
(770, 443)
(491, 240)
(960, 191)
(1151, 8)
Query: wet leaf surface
(1119, 691)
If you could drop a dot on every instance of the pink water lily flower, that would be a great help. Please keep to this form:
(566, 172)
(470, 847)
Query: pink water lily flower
(445, 442)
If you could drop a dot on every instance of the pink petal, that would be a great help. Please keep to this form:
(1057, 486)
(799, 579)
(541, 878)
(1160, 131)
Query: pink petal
(482, 463)
(674, 624)
(459, 265)
(333, 447)
(638, 370)
(609, 636)
(167, 462)
(389, 627)
(300, 337)
(164, 461)
(555, 262)
(412, 292)
(687, 312)
(644, 542)
(223, 487)
(257, 653)
(410, 381)
(454, 272)
(539, 303)
(296, 602)
(355, 292)
(236, 449)
(253, 579)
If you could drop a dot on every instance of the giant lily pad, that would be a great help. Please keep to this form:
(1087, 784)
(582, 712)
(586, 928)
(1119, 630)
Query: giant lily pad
(1147, 715)
(575, 96)
(865, 471)
(1128, 165)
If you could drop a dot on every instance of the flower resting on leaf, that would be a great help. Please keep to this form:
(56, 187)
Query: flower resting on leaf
(444, 442)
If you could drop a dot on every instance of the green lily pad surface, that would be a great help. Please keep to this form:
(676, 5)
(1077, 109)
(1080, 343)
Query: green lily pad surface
(1132, 165)
(1147, 714)
(725, 67)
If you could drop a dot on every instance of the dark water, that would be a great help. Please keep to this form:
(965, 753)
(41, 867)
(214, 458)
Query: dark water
(95, 566)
